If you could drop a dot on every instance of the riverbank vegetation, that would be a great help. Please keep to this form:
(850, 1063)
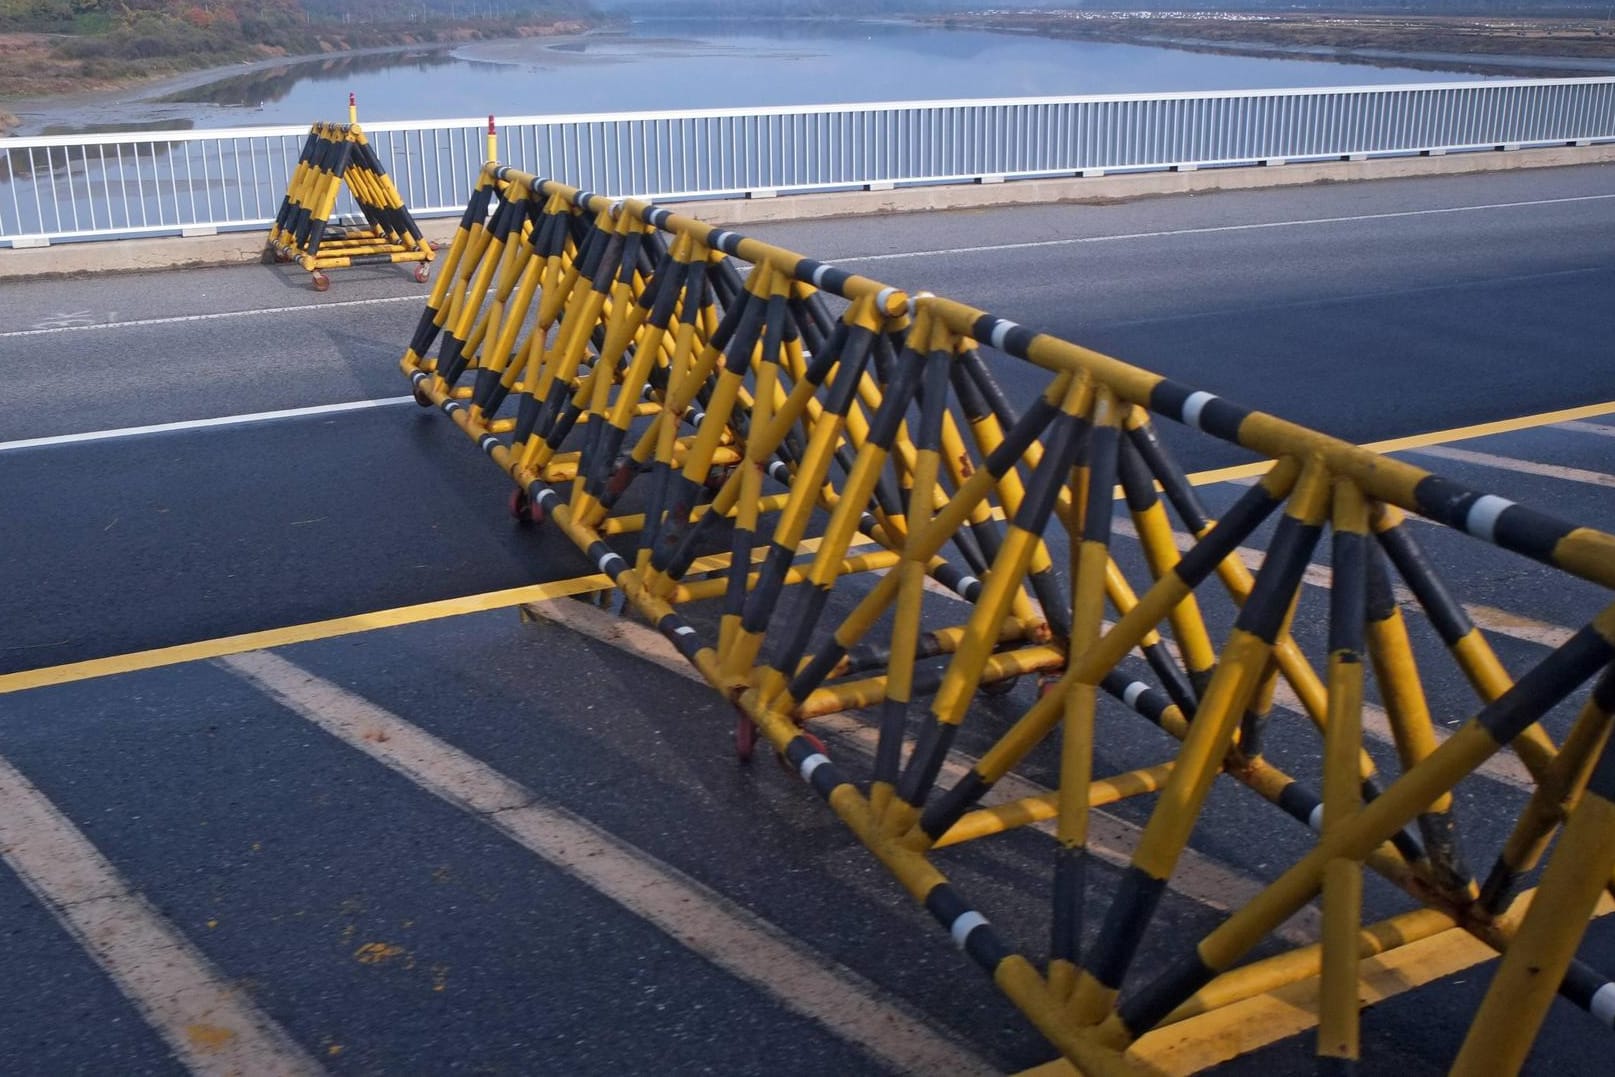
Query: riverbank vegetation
(50, 47)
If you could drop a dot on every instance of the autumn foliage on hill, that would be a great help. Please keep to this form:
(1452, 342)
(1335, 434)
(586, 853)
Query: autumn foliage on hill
(120, 38)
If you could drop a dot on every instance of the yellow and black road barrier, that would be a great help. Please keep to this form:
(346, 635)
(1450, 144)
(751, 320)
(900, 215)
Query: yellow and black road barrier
(895, 535)
(334, 157)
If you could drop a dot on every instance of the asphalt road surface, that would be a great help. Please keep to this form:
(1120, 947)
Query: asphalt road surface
(482, 844)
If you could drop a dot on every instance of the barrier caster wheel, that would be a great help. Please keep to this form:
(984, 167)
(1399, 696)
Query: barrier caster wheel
(422, 274)
(281, 256)
(420, 397)
(619, 481)
(523, 509)
(994, 689)
(745, 738)
(716, 477)
(321, 281)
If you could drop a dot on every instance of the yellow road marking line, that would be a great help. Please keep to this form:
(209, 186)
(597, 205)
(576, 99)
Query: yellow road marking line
(1524, 467)
(735, 940)
(1418, 441)
(113, 665)
(210, 1024)
(454, 607)
(1209, 1039)
(303, 633)
(1199, 878)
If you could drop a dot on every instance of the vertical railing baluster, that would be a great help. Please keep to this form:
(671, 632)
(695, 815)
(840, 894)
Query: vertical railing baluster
(680, 155)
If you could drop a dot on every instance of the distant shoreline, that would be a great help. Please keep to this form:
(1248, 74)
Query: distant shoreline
(1520, 46)
(1290, 37)
(15, 110)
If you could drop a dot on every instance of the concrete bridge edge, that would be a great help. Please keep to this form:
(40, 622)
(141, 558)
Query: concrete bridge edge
(173, 252)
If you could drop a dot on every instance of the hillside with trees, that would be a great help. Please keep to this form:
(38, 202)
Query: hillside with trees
(53, 46)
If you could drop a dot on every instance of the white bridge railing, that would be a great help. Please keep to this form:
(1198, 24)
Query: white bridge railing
(196, 182)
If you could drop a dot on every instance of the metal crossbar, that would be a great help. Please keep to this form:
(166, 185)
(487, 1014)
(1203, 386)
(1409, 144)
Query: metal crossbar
(166, 182)
(781, 464)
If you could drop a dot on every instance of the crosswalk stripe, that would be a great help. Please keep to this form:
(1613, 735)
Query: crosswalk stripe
(1201, 878)
(211, 1025)
(697, 917)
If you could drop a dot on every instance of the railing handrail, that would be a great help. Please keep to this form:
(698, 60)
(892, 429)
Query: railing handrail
(87, 186)
(659, 115)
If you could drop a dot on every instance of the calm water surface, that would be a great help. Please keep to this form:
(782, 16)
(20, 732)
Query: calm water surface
(672, 64)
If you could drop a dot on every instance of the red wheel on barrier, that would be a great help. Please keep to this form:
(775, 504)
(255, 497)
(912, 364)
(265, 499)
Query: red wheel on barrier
(321, 281)
(619, 480)
(994, 689)
(745, 738)
(421, 398)
(422, 273)
(523, 509)
(717, 476)
(282, 255)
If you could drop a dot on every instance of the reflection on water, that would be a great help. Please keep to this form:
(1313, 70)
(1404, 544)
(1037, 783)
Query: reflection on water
(64, 160)
(671, 64)
(657, 65)
(116, 128)
(256, 88)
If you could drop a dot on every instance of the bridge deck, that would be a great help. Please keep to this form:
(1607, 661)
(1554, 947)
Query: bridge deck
(442, 842)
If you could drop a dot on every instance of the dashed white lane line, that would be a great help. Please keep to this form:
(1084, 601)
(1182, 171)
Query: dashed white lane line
(1489, 618)
(1214, 229)
(1199, 878)
(207, 1020)
(203, 424)
(213, 316)
(706, 922)
(1523, 467)
(1504, 767)
(1302, 222)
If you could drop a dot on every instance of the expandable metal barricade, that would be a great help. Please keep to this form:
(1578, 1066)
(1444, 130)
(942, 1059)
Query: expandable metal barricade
(780, 464)
(334, 156)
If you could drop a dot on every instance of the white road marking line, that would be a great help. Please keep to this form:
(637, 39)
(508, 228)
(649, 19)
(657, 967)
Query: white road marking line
(212, 1026)
(213, 316)
(203, 424)
(1199, 878)
(735, 940)
(1504, 767)
(1213, 229)
(1524, 467)
(1350, 297)
(894, 256)
(1586, 428)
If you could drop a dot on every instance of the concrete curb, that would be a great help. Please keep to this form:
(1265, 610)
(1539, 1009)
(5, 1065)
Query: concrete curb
(136, 255)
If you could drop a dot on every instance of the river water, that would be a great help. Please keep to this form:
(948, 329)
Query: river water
(676, 64)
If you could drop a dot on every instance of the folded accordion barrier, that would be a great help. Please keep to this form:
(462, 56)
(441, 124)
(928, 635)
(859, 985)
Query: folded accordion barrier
(801, 476)
(335, 156)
